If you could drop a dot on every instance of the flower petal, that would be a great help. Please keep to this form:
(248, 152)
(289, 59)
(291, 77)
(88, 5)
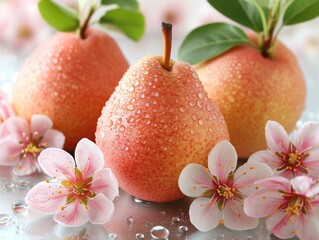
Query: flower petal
(247, 174)
(275, 184)
(222, 160)
(314, 190)
(74, 214)
(236, 219)
(57, 163)
(308, 227)
(46, 197)
(104, 181)
(301, 184)
(276, 137)
(204, 215)
(280, 226)
(263, 203)
(194, 179)
(266, 157)
(100, 209)
(53, 138)
(9, 153)
(312, 164)
(26, 166)
(15, 127)
(40, 124)
(89, 158)
(308, 136)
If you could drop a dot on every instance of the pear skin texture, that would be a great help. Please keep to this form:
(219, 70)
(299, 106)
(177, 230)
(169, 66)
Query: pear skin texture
(250, 89)
(154, 124)
(69, 80)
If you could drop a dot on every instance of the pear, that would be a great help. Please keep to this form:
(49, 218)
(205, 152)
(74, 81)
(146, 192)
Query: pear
(158, 120)
(71, 75)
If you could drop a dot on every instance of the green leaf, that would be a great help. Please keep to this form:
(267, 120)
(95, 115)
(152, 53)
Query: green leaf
(130, 4)
(209, 41)
(301, 11)
(263, 3)
(130, 22)
(60, 18)
(241, 11)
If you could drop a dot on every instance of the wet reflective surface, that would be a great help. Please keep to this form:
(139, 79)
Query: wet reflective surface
(132, 219)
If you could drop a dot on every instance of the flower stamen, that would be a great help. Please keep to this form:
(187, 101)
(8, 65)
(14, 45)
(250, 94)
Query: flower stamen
(225, 191)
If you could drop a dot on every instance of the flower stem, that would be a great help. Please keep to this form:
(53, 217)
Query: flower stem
(167, 39)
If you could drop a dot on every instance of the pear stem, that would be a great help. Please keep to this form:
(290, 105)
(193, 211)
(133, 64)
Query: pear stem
(167, 39)
(86, 24)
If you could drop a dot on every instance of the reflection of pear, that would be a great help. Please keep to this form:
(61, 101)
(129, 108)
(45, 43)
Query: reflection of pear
(157, 121)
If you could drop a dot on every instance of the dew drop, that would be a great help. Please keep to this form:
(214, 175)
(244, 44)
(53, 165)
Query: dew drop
(194, 117)
(159, 232)
(136, 83)
(4, 219)
(119, 121)
(130, 107)
(139, 236)
(110, 123)
(191, 104)
(164, 148)
(142, 95)
(183, 229)
(122, 128)
(182, 109)
(155, 94)
(163, 212)
(102, 134)
(19, 228)
(130, 119)
(23, 184)
(138, 112)
(20, 206)
(200, 103)
(200, 95)
(112, 236)
(176, 219)
(131, 89)
(130, 220)
(209, 107)
(200, 122)
(192, 132)
(9, 186)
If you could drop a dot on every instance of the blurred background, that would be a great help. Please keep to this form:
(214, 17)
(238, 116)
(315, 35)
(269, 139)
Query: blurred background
(22, 29)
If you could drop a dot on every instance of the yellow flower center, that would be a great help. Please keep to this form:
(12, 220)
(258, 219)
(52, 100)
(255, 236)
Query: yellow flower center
(225, 191)
(293, 210)
(79, 188)
(31, 148)
(294, 159)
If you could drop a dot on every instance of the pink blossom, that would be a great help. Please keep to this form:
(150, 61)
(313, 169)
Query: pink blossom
(291, 207)
(22, 143)
(220, 190)
(82, 191)
(21, 24)
(6, 109)
(291, 158)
